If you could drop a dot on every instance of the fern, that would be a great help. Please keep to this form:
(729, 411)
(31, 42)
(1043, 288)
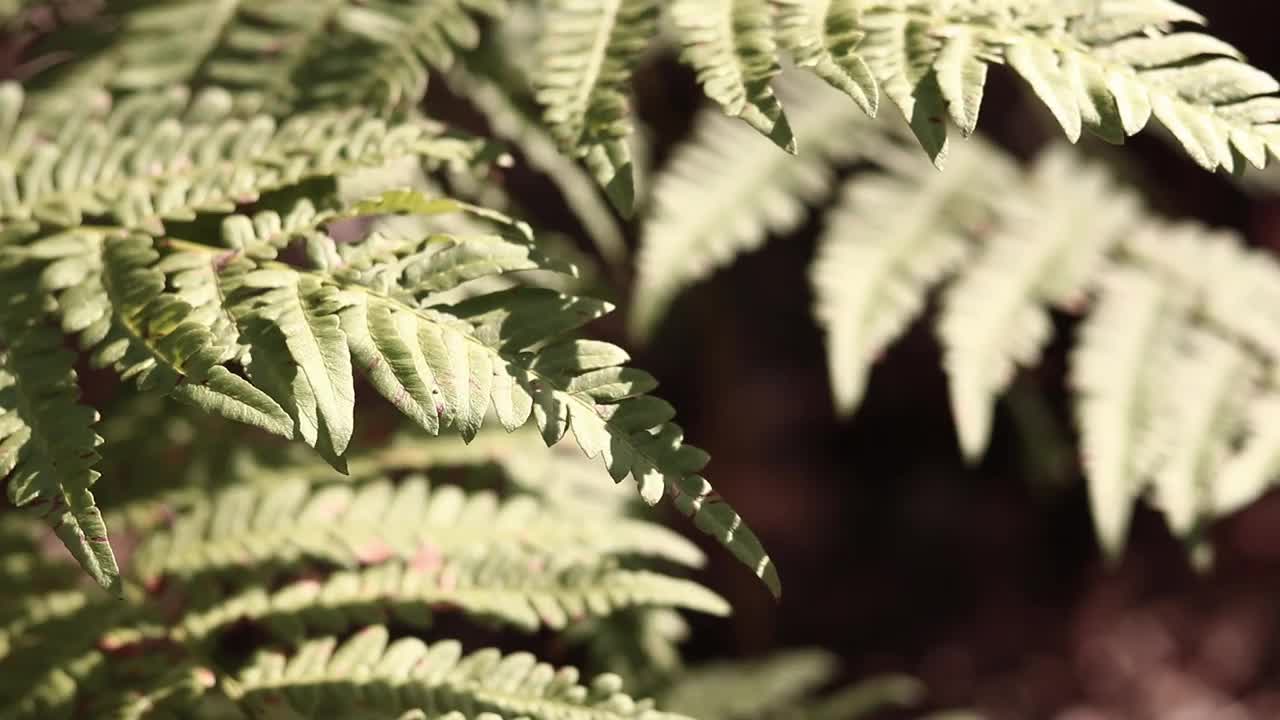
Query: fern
(299, 332)
(408, 674)
(345, 525)
(207, 201)
(703, 217)
(1158, 299)
(586, 63)
(170, 158)
(897, 233)
(380, 550)
(291, 54)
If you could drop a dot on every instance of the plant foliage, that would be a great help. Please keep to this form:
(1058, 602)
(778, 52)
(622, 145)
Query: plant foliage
(254, 210)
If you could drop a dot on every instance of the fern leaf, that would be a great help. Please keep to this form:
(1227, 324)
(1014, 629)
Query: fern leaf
(586, 58)
(822, 36)
(575, 386)
(901, 49)
(1194, 427)
(140, 171)
(1250, 471)
(317, 680)
(49, 443)
(346, 525)
(993, 318)
(507, 121)
(186, 348)
(1106, 67)
(894, 236)
(730, 44)
(717, 201)
(514, 591)
(454, 362)
(303, 312)
(1111, 376)
(731, 690)
(292, 53)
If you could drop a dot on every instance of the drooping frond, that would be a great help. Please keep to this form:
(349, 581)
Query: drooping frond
(48, 447)
(299, 333)
(586, 59)
(1050, 242)
(396, 677)
(1193, 429)
(1116, 393)
(725, 192)
(292, 53)
(1166, 306)
(731, 45)
(1105, 67)
(892, 238)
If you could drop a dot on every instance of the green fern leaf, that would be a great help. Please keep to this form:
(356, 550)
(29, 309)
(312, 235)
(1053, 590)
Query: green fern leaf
(895, 235)
(517, 592)
(822, 36)
(304, 312)
(317, 680)
(1248, 473)
(731, 46)
(1193, 428)
(994, 319)
(345, 526)
(717, 201)
(1109, 68)
(49, 445)
(171, 163)
(290, 53)
(184, 347)
(586, 58)
(508, 121)
(1115, 393)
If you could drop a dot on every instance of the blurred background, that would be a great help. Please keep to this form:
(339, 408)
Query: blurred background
(984, 581)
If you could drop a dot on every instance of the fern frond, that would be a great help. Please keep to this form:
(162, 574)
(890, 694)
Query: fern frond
(1193, 430)
(731, 45)
(823, 36)
(1250, 471)
(49, 445)
(1109, 68)
(515, 591)
(510, 122)
(586, 59)
(346, 525)
(291, 53)
(169, 164)
(725, 192)
(297, 331)
(1053, 237)
(892, 238)
(1116, 395)
(406, 674)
